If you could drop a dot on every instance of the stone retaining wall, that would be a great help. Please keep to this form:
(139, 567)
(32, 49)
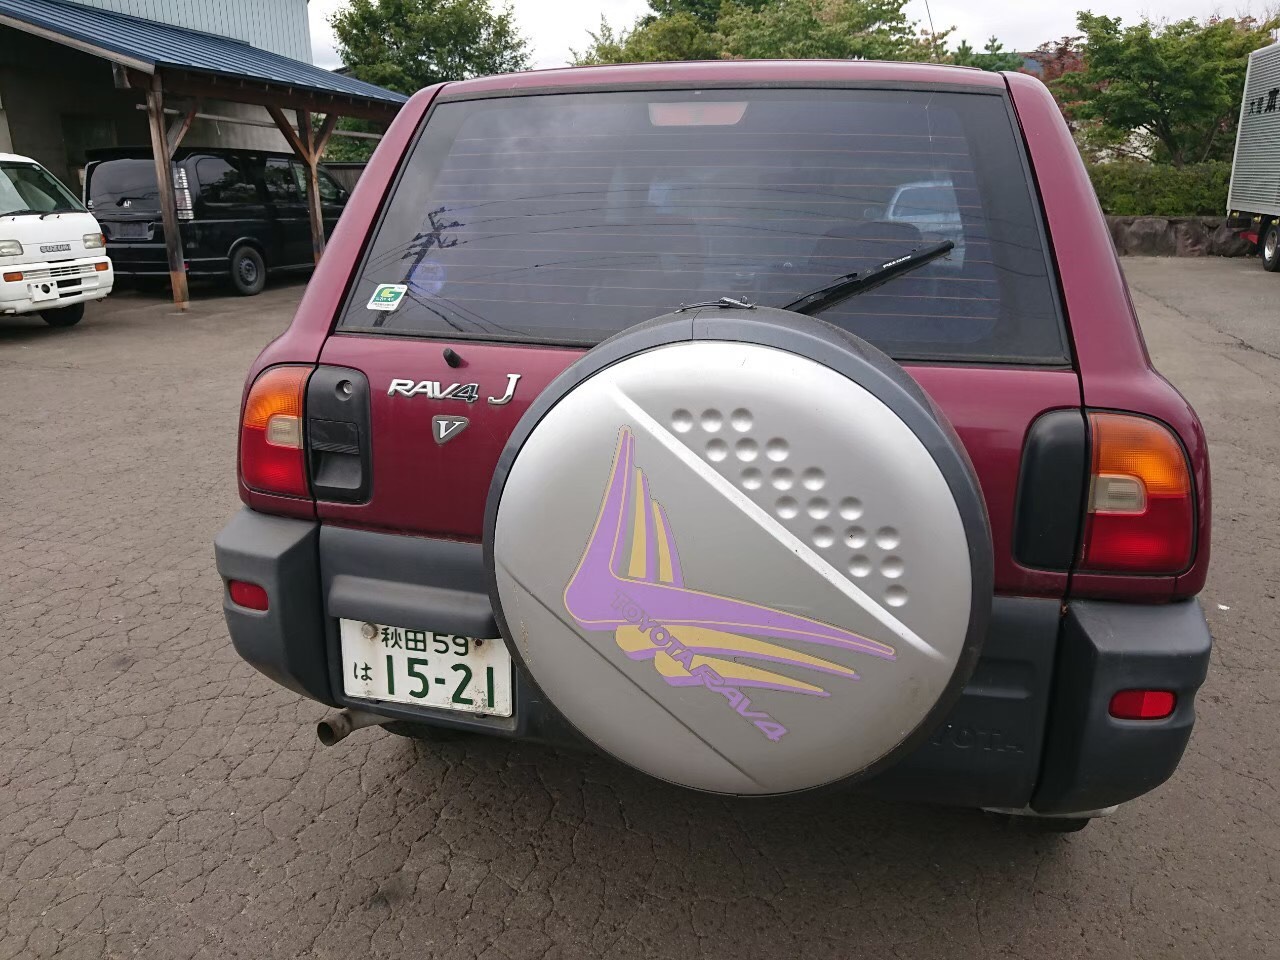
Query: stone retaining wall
(1177, 237)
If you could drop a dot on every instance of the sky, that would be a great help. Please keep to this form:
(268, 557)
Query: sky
(556, 26)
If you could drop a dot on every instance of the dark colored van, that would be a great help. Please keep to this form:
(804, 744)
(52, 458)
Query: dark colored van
(761, 425)
(243, 212)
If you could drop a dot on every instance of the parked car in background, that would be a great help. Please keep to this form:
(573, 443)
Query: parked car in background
(1253, 200)
(642, 414)
(243, 213)
(932, 208)
(52, 255)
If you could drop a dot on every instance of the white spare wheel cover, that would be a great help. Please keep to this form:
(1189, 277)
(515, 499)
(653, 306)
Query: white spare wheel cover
(741, 551)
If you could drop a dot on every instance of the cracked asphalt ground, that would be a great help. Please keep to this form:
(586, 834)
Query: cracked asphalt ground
(158, 798)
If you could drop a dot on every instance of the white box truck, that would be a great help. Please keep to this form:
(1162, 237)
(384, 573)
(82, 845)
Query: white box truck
(1253, 201)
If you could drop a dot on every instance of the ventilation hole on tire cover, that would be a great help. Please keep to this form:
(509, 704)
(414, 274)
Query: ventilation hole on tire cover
(824, 537)
(813, 479)
(896, 596)
(682, 421)
(819, 508)
(752, 479)
(892, 567)
(741, 420)
(717, 450)
(783, 479)
(777, 450)
(860, 566)
(746, 449)
(788, 507)
(712, 420)
(851, 508)
(855, 538)
(887, 538)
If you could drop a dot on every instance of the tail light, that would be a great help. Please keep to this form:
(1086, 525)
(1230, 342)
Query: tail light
(272, 459)
(1141, 512)
(182, 194)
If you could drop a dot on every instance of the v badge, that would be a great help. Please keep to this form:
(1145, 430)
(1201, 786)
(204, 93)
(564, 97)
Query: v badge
(445, 427)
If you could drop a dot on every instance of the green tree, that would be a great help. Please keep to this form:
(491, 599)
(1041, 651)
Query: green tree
(735, 29)
(405, 45)
(993, 56)
(706, 11)
(839, 29)
(680, 36)
(1167, 92)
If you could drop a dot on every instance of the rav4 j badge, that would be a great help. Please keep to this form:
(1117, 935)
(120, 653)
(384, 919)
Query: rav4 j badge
(435, 390)
(387, 296)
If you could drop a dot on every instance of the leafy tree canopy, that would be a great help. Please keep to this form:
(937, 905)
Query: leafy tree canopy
(734, 29)
(1168, 92)
(992, 57)
(405, 45)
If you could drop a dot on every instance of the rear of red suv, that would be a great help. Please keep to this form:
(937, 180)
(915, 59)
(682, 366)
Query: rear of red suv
(764, 426)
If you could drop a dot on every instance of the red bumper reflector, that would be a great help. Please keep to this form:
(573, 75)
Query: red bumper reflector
(247, 594)
(1143, 704)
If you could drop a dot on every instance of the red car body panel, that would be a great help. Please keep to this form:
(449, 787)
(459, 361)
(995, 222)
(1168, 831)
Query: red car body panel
(424, 489)
(1115, 369)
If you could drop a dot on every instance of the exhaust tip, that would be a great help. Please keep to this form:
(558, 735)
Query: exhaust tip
(327, 733)
(338, 726)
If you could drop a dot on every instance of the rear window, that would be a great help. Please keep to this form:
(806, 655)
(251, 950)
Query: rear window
(568, 217)
(122, 186)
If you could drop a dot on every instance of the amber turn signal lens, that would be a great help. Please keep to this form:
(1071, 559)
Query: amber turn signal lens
(102, 266)
(1141, 509)
(12, 277)
(271, 447)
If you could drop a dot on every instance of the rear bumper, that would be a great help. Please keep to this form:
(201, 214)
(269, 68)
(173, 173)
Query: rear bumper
(1031, 729)
(151, 259)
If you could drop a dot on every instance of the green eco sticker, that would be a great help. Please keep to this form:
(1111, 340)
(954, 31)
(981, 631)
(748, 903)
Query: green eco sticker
(387, 296)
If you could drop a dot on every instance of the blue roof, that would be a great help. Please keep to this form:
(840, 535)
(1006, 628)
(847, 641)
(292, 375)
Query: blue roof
(164, 45)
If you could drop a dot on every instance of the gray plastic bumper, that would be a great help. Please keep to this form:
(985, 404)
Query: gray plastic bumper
(1091, 759)
(1031, 727)
(285, 641)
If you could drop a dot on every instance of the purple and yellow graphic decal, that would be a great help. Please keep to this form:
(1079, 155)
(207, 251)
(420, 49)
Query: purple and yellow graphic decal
(630, 581)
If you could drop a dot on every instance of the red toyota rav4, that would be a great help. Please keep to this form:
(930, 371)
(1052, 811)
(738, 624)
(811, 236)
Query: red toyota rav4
(764, 426)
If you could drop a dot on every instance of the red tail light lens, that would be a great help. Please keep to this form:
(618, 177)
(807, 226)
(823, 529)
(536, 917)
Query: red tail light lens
(247, 594)
(1141, 510)
(271, 454)
(1143, 704)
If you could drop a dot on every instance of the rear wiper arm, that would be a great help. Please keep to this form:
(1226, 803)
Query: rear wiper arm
(853, 284)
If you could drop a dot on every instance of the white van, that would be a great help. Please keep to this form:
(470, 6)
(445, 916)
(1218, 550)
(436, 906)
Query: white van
(53, 257)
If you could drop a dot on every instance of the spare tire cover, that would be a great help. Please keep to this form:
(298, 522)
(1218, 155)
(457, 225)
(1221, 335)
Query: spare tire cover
(741, 552)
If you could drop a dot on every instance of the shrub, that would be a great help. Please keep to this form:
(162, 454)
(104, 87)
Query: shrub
(1130, 189)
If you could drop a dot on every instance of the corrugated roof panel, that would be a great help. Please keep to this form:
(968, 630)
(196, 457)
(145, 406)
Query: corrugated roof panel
(165, 45)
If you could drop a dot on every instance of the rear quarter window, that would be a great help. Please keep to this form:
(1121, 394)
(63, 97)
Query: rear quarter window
(568, 217)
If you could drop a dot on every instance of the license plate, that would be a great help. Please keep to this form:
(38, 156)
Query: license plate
(438, 670)
(130, 231)
(39, 293)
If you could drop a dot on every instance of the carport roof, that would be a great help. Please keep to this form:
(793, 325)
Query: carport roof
(146, 45)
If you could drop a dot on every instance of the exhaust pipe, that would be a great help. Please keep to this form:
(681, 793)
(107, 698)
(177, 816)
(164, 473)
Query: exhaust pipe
(337, 726)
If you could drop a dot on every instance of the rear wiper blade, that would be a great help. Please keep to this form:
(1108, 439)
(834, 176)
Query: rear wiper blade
(853, 284)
